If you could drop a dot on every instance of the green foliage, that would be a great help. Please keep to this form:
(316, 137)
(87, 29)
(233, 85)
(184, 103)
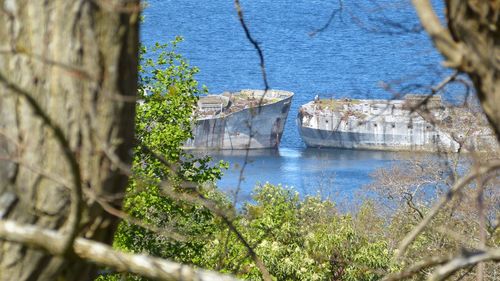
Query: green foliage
(168, 94)
(299, 239)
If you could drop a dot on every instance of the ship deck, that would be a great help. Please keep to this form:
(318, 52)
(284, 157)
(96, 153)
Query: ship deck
(214, 106)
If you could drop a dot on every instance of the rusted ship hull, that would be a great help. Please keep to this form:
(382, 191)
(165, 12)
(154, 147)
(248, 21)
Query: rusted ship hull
(249, 128)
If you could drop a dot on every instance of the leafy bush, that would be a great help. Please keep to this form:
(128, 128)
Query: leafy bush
(168, 94)
(299, 239)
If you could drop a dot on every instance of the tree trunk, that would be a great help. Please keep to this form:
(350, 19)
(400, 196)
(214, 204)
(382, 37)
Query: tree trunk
(476, 25)
(471, 44)
(77, 62)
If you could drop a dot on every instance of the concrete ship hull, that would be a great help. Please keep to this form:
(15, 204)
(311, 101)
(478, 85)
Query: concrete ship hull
(390, 125)
(370, 141)
(249, 128)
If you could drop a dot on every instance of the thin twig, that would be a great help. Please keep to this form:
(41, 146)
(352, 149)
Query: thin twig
(253, 41)
(71, 69)
(335, 12)
(167, 232)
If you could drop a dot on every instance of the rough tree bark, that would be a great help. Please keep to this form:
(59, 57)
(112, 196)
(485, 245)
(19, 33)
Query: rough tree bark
(471, 44)
(77, 62)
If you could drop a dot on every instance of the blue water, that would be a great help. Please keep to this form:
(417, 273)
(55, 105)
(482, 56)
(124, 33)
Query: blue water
(330, 173)
(348, 59)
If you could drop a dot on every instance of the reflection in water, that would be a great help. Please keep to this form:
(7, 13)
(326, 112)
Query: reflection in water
(333, 173)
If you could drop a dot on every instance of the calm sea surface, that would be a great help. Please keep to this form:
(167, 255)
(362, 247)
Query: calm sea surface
(359, 49)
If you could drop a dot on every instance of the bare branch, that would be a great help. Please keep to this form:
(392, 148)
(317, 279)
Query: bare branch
(378, 22)
(124, 167)
(47, 174)
(466, 259)
(441, 36)
(99, 253)
(75, 214)
(70, 69)
(409, 201)
(128, 7)
(434, 90)
(253, 41)
(417, 267)
(330, 20)
(167, 232)
(462, 182)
